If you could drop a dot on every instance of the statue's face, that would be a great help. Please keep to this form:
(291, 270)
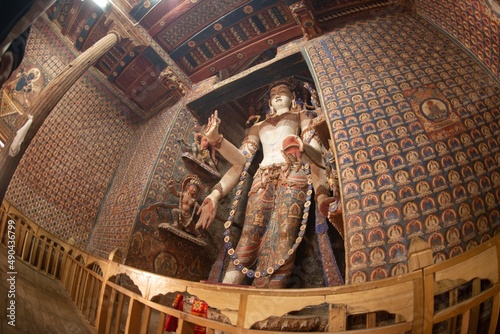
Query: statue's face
(280, 97)
(192, 190)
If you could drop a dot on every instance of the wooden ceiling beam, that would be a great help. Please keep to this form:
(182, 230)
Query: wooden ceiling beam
(249, 50)
(245, 84)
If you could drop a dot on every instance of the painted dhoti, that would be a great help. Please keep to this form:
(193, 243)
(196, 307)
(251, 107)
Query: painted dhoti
(274, 214)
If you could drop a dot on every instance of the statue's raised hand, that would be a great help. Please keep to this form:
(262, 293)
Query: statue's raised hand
(212, 127)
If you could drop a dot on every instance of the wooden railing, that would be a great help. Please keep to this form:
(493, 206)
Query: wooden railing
(423, 301)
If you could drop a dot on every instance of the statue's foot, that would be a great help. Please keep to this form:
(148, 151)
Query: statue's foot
(167, 225)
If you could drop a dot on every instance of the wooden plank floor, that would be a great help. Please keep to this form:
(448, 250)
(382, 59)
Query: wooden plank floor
(42, 305)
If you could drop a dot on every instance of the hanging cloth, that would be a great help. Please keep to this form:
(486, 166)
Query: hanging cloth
(172, 322)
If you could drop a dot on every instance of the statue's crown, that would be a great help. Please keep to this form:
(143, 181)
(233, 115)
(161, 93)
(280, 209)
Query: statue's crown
(192, 179)
(290, 82)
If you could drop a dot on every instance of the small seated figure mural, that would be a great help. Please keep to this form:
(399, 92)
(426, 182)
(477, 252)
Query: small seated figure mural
(184, 215)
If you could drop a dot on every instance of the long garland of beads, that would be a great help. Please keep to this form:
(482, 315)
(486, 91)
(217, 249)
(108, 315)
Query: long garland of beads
(229, 246)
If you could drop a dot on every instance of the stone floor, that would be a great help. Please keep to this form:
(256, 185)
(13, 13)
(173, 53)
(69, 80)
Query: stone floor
(41, 303)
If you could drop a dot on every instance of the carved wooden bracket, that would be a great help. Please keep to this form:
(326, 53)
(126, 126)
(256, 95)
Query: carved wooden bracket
(304, 17)
(124, 29)
(170, 79)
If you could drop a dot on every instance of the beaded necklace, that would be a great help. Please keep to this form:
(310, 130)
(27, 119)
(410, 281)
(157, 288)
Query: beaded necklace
(229, 246)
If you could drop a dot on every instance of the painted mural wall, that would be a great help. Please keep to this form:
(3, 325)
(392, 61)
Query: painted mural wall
(475, 24)
(151, 248)
(115, 223)
(415, 121)
(152, 158)
(64, 174)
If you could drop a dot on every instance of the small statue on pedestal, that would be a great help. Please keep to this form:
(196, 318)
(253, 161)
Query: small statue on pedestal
(201, 150)
(184, 215)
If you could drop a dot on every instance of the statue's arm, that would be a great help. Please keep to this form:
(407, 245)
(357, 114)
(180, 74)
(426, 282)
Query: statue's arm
(172, 189)
(314, 156)
(313, 147)
(231, 178)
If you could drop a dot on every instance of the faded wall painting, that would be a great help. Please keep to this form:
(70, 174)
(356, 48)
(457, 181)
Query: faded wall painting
(63, 176)
(168, 251)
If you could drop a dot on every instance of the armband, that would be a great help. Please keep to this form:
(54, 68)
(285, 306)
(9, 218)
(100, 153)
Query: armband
(217, 144)
(218, 187)
(251, 145)
(322, 190)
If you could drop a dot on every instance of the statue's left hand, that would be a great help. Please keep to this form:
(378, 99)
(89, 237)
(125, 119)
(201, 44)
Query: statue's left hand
(292, 151)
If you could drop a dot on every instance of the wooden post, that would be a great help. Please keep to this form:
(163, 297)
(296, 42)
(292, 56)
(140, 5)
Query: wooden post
(418, 306)
(134, 318)
(146, 318)
(21, 239)
(371, 320)
(106, 311)
(242, 311)
(337, 318)
(161, 323)
(47, 100)
(428, 303)
(419, 254)
(474, 314)
(453, 300)
(185, 327)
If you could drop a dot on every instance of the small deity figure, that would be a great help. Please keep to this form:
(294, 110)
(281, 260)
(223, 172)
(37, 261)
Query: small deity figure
(201, 149)
(24, 86)
(191, 188)
(434, 109)
(253, 116)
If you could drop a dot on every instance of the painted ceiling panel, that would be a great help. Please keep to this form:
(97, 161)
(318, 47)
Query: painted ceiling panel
(142, 8)
(245, 53)
(83, 20)
(133, 73)
(237, 29)
(149, 94)
(164, 14)
(191, 39)
(322, 6)
(193, 21)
